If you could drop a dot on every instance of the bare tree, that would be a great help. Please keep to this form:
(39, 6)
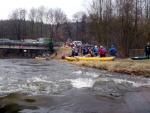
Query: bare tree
(84, 28)
(128, 22)
(77, 18)
(50, 20)
(18, 18)
(96, 15)
(32, 19)
(60, 18)
(147, 19)
(40, 18)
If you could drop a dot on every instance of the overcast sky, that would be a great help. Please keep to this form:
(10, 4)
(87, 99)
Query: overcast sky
(70, 7)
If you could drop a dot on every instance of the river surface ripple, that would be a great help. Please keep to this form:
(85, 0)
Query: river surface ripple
(33, 86)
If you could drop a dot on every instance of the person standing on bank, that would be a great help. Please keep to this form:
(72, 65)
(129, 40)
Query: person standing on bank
(95, 50)
(147, 50)
(113, 50)
(73, 51)
(102, 51)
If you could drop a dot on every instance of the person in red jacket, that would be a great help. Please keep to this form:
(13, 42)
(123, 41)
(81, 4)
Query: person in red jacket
(102, 51)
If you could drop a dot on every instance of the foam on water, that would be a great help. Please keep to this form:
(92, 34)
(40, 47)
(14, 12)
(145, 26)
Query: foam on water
(125, 81)
(92, 74)
(37, 79)
(31, 85)
(45, 84)
(82, 82)
(133, 83)
(9, 89)
(89, 82)
(77, 72)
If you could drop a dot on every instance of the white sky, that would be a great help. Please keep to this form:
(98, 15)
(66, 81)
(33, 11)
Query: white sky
(70, 7)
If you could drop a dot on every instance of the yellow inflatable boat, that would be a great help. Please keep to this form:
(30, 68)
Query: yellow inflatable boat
(41, 58)
(77, 58)
(71, 58)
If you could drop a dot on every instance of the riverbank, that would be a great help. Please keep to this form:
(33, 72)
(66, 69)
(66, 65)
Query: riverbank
(125, 66)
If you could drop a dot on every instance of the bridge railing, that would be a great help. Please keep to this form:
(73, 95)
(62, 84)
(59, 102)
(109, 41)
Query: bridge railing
(24, 45)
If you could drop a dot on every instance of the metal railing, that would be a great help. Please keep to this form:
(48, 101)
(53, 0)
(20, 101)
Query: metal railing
(23, 45)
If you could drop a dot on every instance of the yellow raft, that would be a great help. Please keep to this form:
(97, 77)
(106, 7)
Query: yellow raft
(41, 58)
(76, 58)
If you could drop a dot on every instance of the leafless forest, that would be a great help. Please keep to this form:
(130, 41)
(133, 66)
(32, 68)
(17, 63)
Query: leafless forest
(124, 23)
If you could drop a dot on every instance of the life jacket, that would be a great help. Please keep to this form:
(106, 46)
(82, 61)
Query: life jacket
(96, 50)
(73, 50)
(113, 50)
(103, 50)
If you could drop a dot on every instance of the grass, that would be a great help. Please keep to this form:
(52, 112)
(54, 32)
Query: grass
(125, 66)
(121, 66)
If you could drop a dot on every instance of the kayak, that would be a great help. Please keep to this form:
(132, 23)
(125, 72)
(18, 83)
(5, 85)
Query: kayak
(76, 58)
(139, 58)
(41, 58)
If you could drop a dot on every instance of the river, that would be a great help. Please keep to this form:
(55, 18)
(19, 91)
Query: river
(33, 86)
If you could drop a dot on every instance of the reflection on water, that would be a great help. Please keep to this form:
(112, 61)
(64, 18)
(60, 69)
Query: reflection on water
(32, 86)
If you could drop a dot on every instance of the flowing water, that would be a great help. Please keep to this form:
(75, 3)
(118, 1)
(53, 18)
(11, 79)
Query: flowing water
(33, 86)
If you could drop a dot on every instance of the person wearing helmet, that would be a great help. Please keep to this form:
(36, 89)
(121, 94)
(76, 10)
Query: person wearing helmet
(96, 50)
(102, 51)
(113, 50)
(73, 52)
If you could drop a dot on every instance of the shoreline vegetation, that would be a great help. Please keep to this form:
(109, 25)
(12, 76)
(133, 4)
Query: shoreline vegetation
(124, 66)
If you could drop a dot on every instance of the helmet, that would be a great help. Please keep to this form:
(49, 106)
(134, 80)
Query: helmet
(96, 46)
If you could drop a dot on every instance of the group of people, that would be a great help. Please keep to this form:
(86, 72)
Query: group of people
(102, 51)
(75, 51)
(99, 51)
(94, 51)
(147, 50)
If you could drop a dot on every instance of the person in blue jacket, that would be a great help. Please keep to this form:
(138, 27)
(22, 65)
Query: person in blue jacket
(113, 50)
(73, 52)
(96, 50)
